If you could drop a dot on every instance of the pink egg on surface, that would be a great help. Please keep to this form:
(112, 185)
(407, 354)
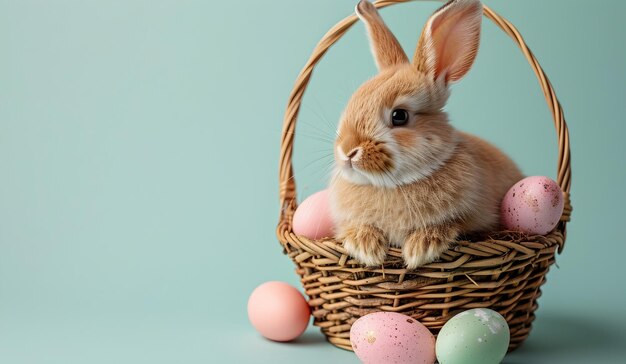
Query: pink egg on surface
(389, 337)
(533, 205)
(278, 311)
(312, 217)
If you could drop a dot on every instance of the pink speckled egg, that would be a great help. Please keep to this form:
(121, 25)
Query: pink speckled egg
(533, 205)
(312, 217)
(278, 311)
(389, 337)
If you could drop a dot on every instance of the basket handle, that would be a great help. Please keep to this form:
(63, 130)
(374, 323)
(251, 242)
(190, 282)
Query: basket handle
(286, 178)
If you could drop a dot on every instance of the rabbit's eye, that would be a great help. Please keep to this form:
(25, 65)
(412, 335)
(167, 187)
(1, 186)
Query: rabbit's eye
(399, 117)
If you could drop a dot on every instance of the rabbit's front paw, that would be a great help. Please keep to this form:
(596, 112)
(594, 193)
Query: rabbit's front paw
(426, 245)
(366, 244)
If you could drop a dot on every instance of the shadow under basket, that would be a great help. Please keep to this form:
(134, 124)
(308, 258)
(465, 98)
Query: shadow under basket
(503, 271)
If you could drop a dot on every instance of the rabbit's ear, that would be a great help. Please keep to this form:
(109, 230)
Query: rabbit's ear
(449, 41)
(385, 47)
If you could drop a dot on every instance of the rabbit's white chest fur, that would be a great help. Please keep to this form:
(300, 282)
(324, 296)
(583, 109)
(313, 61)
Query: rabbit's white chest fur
(465, 191)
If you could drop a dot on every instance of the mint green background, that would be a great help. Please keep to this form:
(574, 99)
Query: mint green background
(138, 160)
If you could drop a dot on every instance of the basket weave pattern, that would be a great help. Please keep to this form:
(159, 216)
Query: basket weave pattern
(501, 270)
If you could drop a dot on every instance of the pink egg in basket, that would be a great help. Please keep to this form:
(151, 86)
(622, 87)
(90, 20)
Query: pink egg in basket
(533, 205)
(312, 217)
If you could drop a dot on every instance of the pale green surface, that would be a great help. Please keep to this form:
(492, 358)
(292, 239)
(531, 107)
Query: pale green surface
(139, 149)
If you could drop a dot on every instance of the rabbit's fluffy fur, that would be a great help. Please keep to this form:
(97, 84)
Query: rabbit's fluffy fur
(421, 184)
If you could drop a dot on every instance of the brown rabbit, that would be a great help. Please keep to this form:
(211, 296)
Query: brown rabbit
(404, 176)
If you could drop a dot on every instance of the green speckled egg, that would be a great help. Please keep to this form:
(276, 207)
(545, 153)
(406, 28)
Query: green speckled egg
(477, 336)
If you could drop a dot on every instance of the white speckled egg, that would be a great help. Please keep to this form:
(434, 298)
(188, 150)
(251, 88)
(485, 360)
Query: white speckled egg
(477, 336)
(533, 205)
(388, 337)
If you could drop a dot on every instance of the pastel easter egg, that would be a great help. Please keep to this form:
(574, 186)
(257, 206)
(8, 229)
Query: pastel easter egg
(477, 336)
(533, 205)
(278, 311)
(389, 337)
(312, 217)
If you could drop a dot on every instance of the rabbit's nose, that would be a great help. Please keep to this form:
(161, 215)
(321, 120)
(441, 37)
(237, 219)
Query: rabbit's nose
(354, 154)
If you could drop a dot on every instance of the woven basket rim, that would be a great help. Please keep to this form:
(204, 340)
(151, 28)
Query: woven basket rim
(287, 190)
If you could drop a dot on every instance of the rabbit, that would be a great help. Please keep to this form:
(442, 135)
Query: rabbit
(404, 176)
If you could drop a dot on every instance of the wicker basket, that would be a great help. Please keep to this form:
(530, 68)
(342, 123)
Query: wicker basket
(502, 270)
